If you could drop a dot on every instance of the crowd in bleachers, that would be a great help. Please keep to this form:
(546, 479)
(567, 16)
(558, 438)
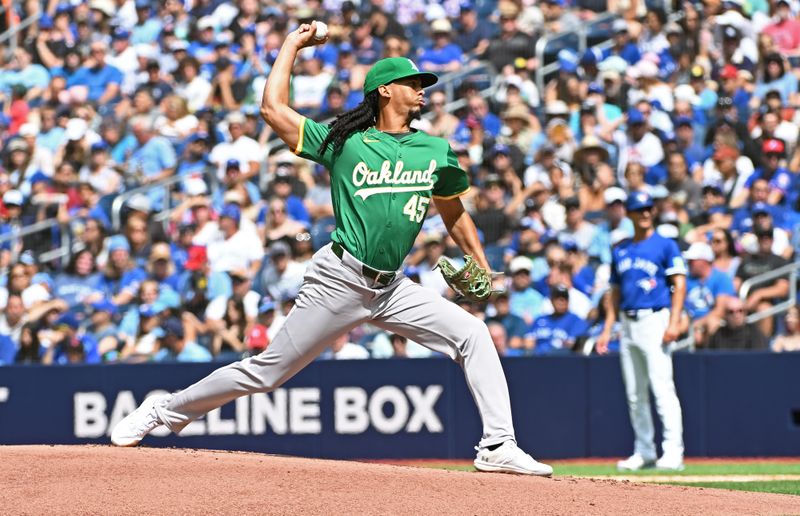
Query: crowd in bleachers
(693, 102)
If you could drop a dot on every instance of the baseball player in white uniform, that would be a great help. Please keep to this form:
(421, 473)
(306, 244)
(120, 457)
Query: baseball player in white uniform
(648, 288)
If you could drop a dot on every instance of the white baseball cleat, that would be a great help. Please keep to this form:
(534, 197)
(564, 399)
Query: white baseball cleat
(508, 458)
(635, 462)
(670, 462)
(132, 429)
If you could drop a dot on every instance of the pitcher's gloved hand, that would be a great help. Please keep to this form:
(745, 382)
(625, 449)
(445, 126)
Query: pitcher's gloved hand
(470, 281)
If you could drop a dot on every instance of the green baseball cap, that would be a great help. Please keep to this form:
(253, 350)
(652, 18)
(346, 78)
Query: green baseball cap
(395, 68)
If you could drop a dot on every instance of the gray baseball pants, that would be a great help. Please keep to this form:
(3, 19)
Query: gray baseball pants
(335, 298)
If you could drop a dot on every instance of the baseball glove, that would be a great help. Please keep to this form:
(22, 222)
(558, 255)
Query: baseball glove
(471, 281)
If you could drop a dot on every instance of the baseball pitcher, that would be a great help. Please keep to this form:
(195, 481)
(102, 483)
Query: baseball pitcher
(642, 270)
(384, 175)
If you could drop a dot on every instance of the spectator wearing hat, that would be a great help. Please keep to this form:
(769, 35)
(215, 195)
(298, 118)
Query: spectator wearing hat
(761, 216)
(280, 276)
(124, 58)
(517, 130)
(707, 292)
(236, 249)
(472, 36)
(771, 125)
(161, 268)
(240, 145)
(99, 173)
(102, 329)
(442, 55)
(623, 46)
(257, 339)
(524, 300)
(577, 228)
(757, 209)
(173, 346)
(121, 276)
(729, 170)
(615, 218)
(693, 153)
(511, 42)
(557, 333)
(515, 86)
(758, 260)
(779, 178)
(558, 18)
(737, 333)
(637, 143)
(270, 316)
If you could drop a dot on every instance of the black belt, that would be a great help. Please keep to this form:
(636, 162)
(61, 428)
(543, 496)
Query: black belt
(379, 277)
(641, 313)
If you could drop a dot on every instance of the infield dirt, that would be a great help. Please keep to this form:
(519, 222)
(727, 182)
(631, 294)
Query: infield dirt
(107, 480)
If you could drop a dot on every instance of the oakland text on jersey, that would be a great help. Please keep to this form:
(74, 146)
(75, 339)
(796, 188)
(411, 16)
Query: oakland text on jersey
(422, 179)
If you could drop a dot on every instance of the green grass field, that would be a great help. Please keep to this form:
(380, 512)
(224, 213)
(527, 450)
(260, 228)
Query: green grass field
(782, 476)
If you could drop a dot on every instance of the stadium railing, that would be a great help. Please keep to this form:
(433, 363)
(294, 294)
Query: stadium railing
(61, 252)
(10, 34)
(790, 270)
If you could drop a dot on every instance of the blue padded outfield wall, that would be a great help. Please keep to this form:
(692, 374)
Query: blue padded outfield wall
(734, 404)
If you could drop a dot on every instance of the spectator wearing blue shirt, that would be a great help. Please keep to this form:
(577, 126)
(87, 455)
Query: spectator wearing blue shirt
(615, 218)
(152, 160)
(148, 27)
(707, 292)
(175, 347)
(478, 111)
(79, 282)
(514, 325)
(102, 80)
(559, 332)
(473, 37)
(443, 55)
(121, 277)
(780, 179)
(101, 328)
(623, 46)
(525, 301)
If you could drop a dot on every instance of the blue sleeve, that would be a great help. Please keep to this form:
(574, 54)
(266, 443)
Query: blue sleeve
(167, 155)
(8, 350)
(297, 209)
(129, 323)
(132, 279)
(673, 261)
(113, 75)
(79, 78)
(614, 279)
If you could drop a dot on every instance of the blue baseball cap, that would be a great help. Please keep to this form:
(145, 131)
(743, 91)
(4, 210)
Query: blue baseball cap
(120, 33)
(198, 136)
(591, 56)
(147, 310)
(266, 305)
(117, 242)
(568, 60)
(67, 319)
(173, 326)
(105, 306)
(595, 87)
(346, 48)
(759, 208)
(635, 116)
(638, 201)
(142, 4)
(683, 120)
(99, 146)
(232, 212)
(39, 177)
(500, 148)
(63, 8)
(232, 163)
(46, 22)
(467, 6)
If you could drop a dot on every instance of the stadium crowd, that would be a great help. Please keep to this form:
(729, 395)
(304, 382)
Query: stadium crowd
(103, 97)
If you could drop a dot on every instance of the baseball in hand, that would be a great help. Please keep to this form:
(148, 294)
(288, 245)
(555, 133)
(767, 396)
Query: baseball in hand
(322, 31)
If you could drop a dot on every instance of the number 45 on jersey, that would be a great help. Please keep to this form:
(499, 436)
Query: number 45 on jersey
(416, 208)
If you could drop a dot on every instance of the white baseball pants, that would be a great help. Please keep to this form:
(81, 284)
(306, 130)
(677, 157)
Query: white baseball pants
(646, 362)
(334, 299)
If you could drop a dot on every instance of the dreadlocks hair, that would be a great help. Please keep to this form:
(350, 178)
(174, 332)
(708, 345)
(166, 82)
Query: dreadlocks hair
(359, 118)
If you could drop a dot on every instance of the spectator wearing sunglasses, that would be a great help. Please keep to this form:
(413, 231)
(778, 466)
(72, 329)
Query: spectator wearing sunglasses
(737, 333)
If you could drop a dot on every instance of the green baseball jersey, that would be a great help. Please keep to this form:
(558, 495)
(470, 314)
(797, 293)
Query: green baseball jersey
(381, 187)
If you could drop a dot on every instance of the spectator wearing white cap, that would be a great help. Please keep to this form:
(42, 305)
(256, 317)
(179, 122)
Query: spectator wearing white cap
(239, 147)
(443, 55)
(525, 301)
(707, 292)
(615, 220)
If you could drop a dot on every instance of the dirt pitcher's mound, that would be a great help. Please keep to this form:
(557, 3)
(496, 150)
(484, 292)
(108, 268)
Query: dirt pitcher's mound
(106, 480)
